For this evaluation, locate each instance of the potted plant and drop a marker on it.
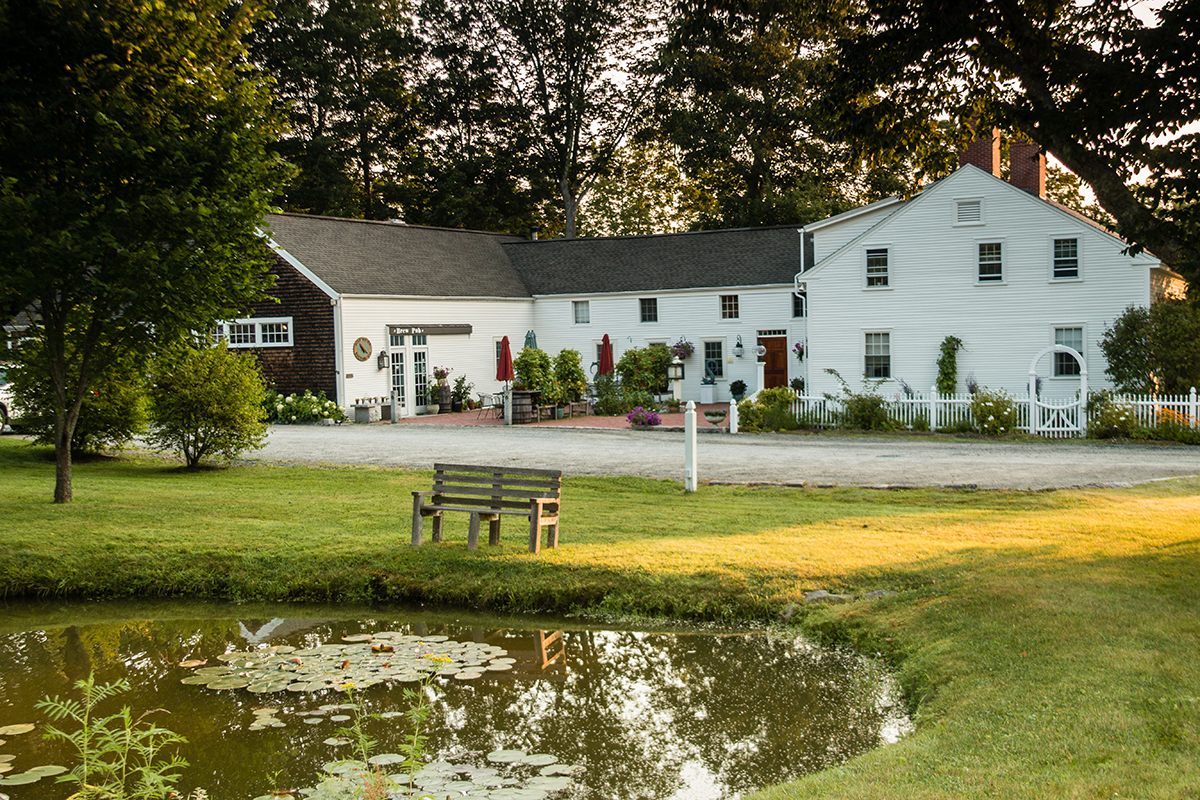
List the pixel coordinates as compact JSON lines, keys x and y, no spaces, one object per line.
{"x":641,"y":417}
{"x":738,"y":390}
{"x":682,"y":349}
{"x":433,"y":395}
{"x":460,"y":395}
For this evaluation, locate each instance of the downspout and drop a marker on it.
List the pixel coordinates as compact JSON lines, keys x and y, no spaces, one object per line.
{"x":338,"y":362}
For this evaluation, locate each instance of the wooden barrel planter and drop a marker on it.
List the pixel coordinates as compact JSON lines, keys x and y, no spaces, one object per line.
{"x":523,"y":407}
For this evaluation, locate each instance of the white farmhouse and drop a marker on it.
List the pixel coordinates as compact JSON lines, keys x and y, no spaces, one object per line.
{"x":975,"y":257}
{"x":367,"y":308}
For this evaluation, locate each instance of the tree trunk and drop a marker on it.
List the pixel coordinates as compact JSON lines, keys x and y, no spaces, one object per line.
{"x":570,"y":206}
{"x":62,"y":464}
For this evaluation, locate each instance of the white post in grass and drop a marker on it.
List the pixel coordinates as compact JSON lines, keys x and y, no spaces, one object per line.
{"x":689,"y":447}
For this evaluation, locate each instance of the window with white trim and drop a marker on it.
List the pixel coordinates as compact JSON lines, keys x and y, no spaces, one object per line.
{"x":582,"y":311}
{"x":729,"y":306}
{"x":877,"y":267}
{"x":714,"y":358}
{"x":877,"y":355}
{"x":800,"y":304}
{"x":1066,"y":259}
{"x":991,"y":261}
{"x":1065,"y":364}
{"x":648,"y":306}
{"x":256,"y":332}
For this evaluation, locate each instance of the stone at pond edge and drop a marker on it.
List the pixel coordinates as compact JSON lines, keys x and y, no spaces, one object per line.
{"x":822,"y":596}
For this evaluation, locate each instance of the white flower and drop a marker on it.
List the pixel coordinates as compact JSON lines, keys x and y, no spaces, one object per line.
{"x":990,"y":418}
{"x":293,"y":417}
{"x":291,"y":398}
{"x":279,"y":406}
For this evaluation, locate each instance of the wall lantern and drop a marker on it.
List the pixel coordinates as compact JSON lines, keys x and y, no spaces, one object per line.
{"x":383,"y":359}
{"x":675,"y":370}
{"x":738,"y":350}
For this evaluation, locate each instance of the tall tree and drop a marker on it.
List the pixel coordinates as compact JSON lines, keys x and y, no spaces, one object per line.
{"x":573,"y":67}
{"x":740,"y":82}
{"x":134,"y":173}
{"x":1104,"y":92}
{"x":474,"y":166}
{"x":344,"y":73}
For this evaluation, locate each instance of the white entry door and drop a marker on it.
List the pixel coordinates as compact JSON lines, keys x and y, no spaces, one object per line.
{"x":410,"y":374}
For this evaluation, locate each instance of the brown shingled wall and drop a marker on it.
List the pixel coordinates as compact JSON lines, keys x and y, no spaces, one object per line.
{"x":309,"y":363}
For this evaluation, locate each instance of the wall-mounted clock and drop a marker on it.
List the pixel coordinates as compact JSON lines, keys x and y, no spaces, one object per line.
{"x":362,"y":348}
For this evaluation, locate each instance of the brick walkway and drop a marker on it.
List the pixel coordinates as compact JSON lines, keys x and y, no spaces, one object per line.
{"x":488,"y":419}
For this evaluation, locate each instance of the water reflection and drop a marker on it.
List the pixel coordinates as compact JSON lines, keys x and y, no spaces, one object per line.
{"x":650,"y":715}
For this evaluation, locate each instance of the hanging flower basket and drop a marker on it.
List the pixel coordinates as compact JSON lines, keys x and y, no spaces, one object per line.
{"x":683,"y":349}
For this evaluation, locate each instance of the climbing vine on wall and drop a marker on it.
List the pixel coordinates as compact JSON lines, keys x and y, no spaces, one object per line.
{"x":947,"y":364}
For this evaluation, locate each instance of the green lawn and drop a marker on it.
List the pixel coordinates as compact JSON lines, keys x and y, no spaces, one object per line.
{"x":1048,"y":642}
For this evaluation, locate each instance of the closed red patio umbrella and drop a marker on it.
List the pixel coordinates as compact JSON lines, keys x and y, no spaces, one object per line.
{"x":606,"y":357}
{"x":504,"y":369}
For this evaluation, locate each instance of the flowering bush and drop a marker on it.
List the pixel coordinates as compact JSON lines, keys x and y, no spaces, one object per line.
{"x":307,"y":407}
{"x":441,"y":373}
{"x":1112,"y":419}
{"x":994,"y":412}
{"x":642,"y":417}
{"x":798,"y":349}
{"x":683,"y":349}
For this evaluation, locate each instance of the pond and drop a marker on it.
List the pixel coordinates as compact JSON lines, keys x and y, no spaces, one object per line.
{"x":607,"y":712}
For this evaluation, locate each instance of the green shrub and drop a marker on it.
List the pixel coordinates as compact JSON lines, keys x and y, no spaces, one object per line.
{"x":1109,"y":418}
{"x":533,"y":370}
{"x":461,"y":392}
{"x":865,"y":410}
{"x":113,"y":412}
{"x":1175,"y":426}
{"x":207,"y":402}
{"x":770,"y":410}
{"x":609,"y":402}
{"x":645,"y":368}
{"x":947,"y":365}
{"x":298,"y":408}
{"x":994,"y":412}
{"x":568,"y":371}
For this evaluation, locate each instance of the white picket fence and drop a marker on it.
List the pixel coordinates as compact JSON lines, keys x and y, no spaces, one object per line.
{"x":1061,"y":418}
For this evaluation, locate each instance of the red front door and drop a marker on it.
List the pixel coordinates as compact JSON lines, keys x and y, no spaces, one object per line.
{"x":774,"y":361}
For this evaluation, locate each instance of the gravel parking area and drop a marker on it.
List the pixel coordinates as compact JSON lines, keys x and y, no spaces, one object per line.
{"x":744,"y":458}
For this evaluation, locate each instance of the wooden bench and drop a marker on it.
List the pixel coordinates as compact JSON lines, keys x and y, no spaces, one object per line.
{"x":491,"y":493}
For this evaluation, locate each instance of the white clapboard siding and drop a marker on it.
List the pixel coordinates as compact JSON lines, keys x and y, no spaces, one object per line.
{"x":934,"y":291}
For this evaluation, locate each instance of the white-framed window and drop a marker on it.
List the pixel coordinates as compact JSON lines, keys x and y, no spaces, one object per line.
{"x":877,"y":355}
{"x":1065,"y":364}
{"x":800,"y":304}
{"x":729,"y":306}
{"x":714,"y":358}
{"x":968,"y":211}
{"x":581,"y":309}
{"x":256,"y":332}
{"x":878,"y":263}
{"x":648,"y":309}
{"x":1064,"y":259}
{"x":991,"y":262}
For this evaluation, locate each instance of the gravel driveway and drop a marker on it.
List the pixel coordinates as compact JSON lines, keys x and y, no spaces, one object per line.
{"x":742,"y":458}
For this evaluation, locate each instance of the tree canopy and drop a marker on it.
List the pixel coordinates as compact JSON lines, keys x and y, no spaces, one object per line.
{"x":134,"y":174}
{"x":1103,"y":91}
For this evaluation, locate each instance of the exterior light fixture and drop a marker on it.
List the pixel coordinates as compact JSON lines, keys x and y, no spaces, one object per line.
{"x":382,"y":361}
{"x":675,"y":370}
{"x":738,"y":350}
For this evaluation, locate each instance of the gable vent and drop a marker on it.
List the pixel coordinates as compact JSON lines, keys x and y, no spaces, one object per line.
{"x":970,"y":211}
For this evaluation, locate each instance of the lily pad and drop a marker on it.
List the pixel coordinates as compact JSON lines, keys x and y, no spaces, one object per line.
{"x":336,"y":741}
{"x":358,"y":637}
{"x":6,"y":757}
{"x":561,"y":769}
{"x":385,"y":759}
{"x":539,"y":760}
{"x":20,"y":780}
{"x":17,"y":730}
{"x":193,"y":662}
{"x":5,"y":768}
{"x":505,"y":756}
{"x":229,"y":683}
{"x":46,"y":771}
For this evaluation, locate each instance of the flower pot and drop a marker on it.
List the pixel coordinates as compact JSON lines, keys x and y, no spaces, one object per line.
{"x":715,"y":416}
{"x":456,"y":406}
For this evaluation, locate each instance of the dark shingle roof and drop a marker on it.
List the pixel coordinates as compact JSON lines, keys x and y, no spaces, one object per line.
{"x":365,"y":257}
{"x":740,"y":257}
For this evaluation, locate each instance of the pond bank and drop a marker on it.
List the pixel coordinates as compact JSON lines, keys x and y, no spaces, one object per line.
{"x":1047,"y":641}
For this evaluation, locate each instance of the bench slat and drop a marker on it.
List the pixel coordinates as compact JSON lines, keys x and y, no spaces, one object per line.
{"x":542,"y":483}
{"x":485,"y":491}
{"x":484,"y":502}
{"x":521,"y":471}
{"x":483,"y":512}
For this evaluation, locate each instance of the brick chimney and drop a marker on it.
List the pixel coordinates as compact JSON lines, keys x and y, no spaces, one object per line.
{"x":1027,"y":167}
{"x":983,"y":152}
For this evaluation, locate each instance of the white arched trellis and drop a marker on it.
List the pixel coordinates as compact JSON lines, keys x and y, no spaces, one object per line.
{"x":1050,"y":419}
